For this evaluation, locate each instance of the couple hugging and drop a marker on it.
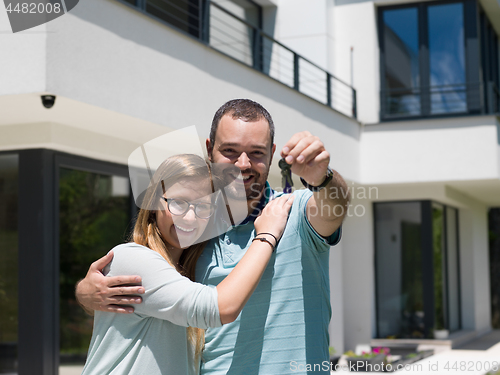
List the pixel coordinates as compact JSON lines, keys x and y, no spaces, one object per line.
{"x":252,"y":300}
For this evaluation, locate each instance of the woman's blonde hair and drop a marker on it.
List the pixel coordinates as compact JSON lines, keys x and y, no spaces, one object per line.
{"x":146,"y":232}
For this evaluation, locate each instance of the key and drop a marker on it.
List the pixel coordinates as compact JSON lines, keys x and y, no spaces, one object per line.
{"x":286,"y":176}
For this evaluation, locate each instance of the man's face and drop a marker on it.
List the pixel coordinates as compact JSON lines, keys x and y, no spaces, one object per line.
{"x":247,"y":145}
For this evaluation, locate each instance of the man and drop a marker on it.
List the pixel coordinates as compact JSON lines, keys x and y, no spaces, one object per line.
{"x":284,"y":326}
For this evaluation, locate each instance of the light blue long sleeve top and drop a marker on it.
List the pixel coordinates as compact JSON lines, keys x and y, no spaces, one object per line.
{"x":153,"y":339}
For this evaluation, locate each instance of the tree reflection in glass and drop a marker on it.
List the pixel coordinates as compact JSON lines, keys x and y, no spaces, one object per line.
{"x":94,"y":217}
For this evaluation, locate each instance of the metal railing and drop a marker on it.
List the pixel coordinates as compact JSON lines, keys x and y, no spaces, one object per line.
{"x":465,"y":98}
{"x":222,"y":30}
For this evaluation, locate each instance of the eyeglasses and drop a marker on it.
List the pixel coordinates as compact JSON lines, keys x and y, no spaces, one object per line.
{"x":179,"y":207}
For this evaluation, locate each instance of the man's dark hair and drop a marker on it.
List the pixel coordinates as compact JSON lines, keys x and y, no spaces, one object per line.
{"x":244,"y":109}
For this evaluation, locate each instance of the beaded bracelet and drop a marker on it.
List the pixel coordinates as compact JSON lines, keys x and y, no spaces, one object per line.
{"x":263,"y":239}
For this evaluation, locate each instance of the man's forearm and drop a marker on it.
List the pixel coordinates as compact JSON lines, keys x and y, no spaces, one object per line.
{"x":328,"y":206}
{"x":334,"y":199}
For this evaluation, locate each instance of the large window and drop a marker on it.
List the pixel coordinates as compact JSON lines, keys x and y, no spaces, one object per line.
{"x":417,"y":269}
{"x":8,"y":263}
{"x":430,"y":61}
{"x":445,"y":25}
{"x":58,"y":213}
{"x":94,"y":215}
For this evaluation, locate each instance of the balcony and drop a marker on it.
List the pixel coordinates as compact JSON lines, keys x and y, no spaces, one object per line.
{"x":243,"y":41}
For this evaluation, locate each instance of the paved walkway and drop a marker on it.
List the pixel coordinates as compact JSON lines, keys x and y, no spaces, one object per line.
{"x":484,"y":342}
{"x":70,"y":370}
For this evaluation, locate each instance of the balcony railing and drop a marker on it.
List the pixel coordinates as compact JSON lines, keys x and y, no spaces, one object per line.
{"x":435,"y":101}
{"x":222,"y":30}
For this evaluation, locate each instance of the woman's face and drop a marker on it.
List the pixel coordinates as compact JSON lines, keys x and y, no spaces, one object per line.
{"x":181,"y":231}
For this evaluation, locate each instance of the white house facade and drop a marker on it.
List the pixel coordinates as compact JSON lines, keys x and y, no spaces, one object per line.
{"x":404,"y":95}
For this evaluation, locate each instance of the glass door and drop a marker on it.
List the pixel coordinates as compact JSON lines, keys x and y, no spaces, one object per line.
{"x":9,"y":191}
{"x":417,"y":269}
{"x":400,"y":303}
{"x":438,"y":256}
{"x":94,"y":216}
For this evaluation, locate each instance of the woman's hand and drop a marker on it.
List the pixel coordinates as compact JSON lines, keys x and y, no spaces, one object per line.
{"x":274,"y":216}
{"x":235,"y":290}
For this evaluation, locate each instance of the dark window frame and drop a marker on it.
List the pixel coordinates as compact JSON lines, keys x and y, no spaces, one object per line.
{"x":38,"y":338}
{"x":427,"y":263}
{"x":473,"y":49}
{"x":489,"y":59}
{"x":16,"y":153}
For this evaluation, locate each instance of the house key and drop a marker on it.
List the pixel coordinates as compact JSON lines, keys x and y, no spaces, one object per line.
{"x":286,"y":176}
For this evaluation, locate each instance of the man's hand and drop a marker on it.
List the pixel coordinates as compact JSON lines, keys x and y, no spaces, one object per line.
{"x":309,"y":159}
{"x":307,"y":156}
{"x":98,"y":292}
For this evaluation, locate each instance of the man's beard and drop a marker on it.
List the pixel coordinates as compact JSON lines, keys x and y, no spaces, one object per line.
{"x":225,"y":178}
{"x":256,"y":188}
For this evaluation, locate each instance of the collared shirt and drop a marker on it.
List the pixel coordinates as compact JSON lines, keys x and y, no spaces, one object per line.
{"x":284,"y":325}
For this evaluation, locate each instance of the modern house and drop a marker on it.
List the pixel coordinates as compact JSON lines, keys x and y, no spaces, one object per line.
{"x":405,"y":96}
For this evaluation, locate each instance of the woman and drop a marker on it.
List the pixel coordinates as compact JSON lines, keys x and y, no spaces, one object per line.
{"x":176,"y":211}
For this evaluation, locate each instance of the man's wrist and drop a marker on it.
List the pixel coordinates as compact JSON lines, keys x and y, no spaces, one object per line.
{"x":328,"y":177}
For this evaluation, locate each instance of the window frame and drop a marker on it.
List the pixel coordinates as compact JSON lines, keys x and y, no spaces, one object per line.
{"x":489,"y":49}
{"x":427,"y":264}
{"x":38,"y":338}
{"x":16,"y":153}
{"x":473,"y":67}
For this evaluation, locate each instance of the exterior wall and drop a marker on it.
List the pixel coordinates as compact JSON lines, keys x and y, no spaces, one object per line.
{"x":73,"y":127}
{"x":358,"y":277}
{"x":355,"y":26}
{"x":337,"y":322}
{"x":452,"y":149}
{"x":474,"y":267}
{"x":24,"y":66}
{"x":122,"y":71}
{"x":313,"y":36}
